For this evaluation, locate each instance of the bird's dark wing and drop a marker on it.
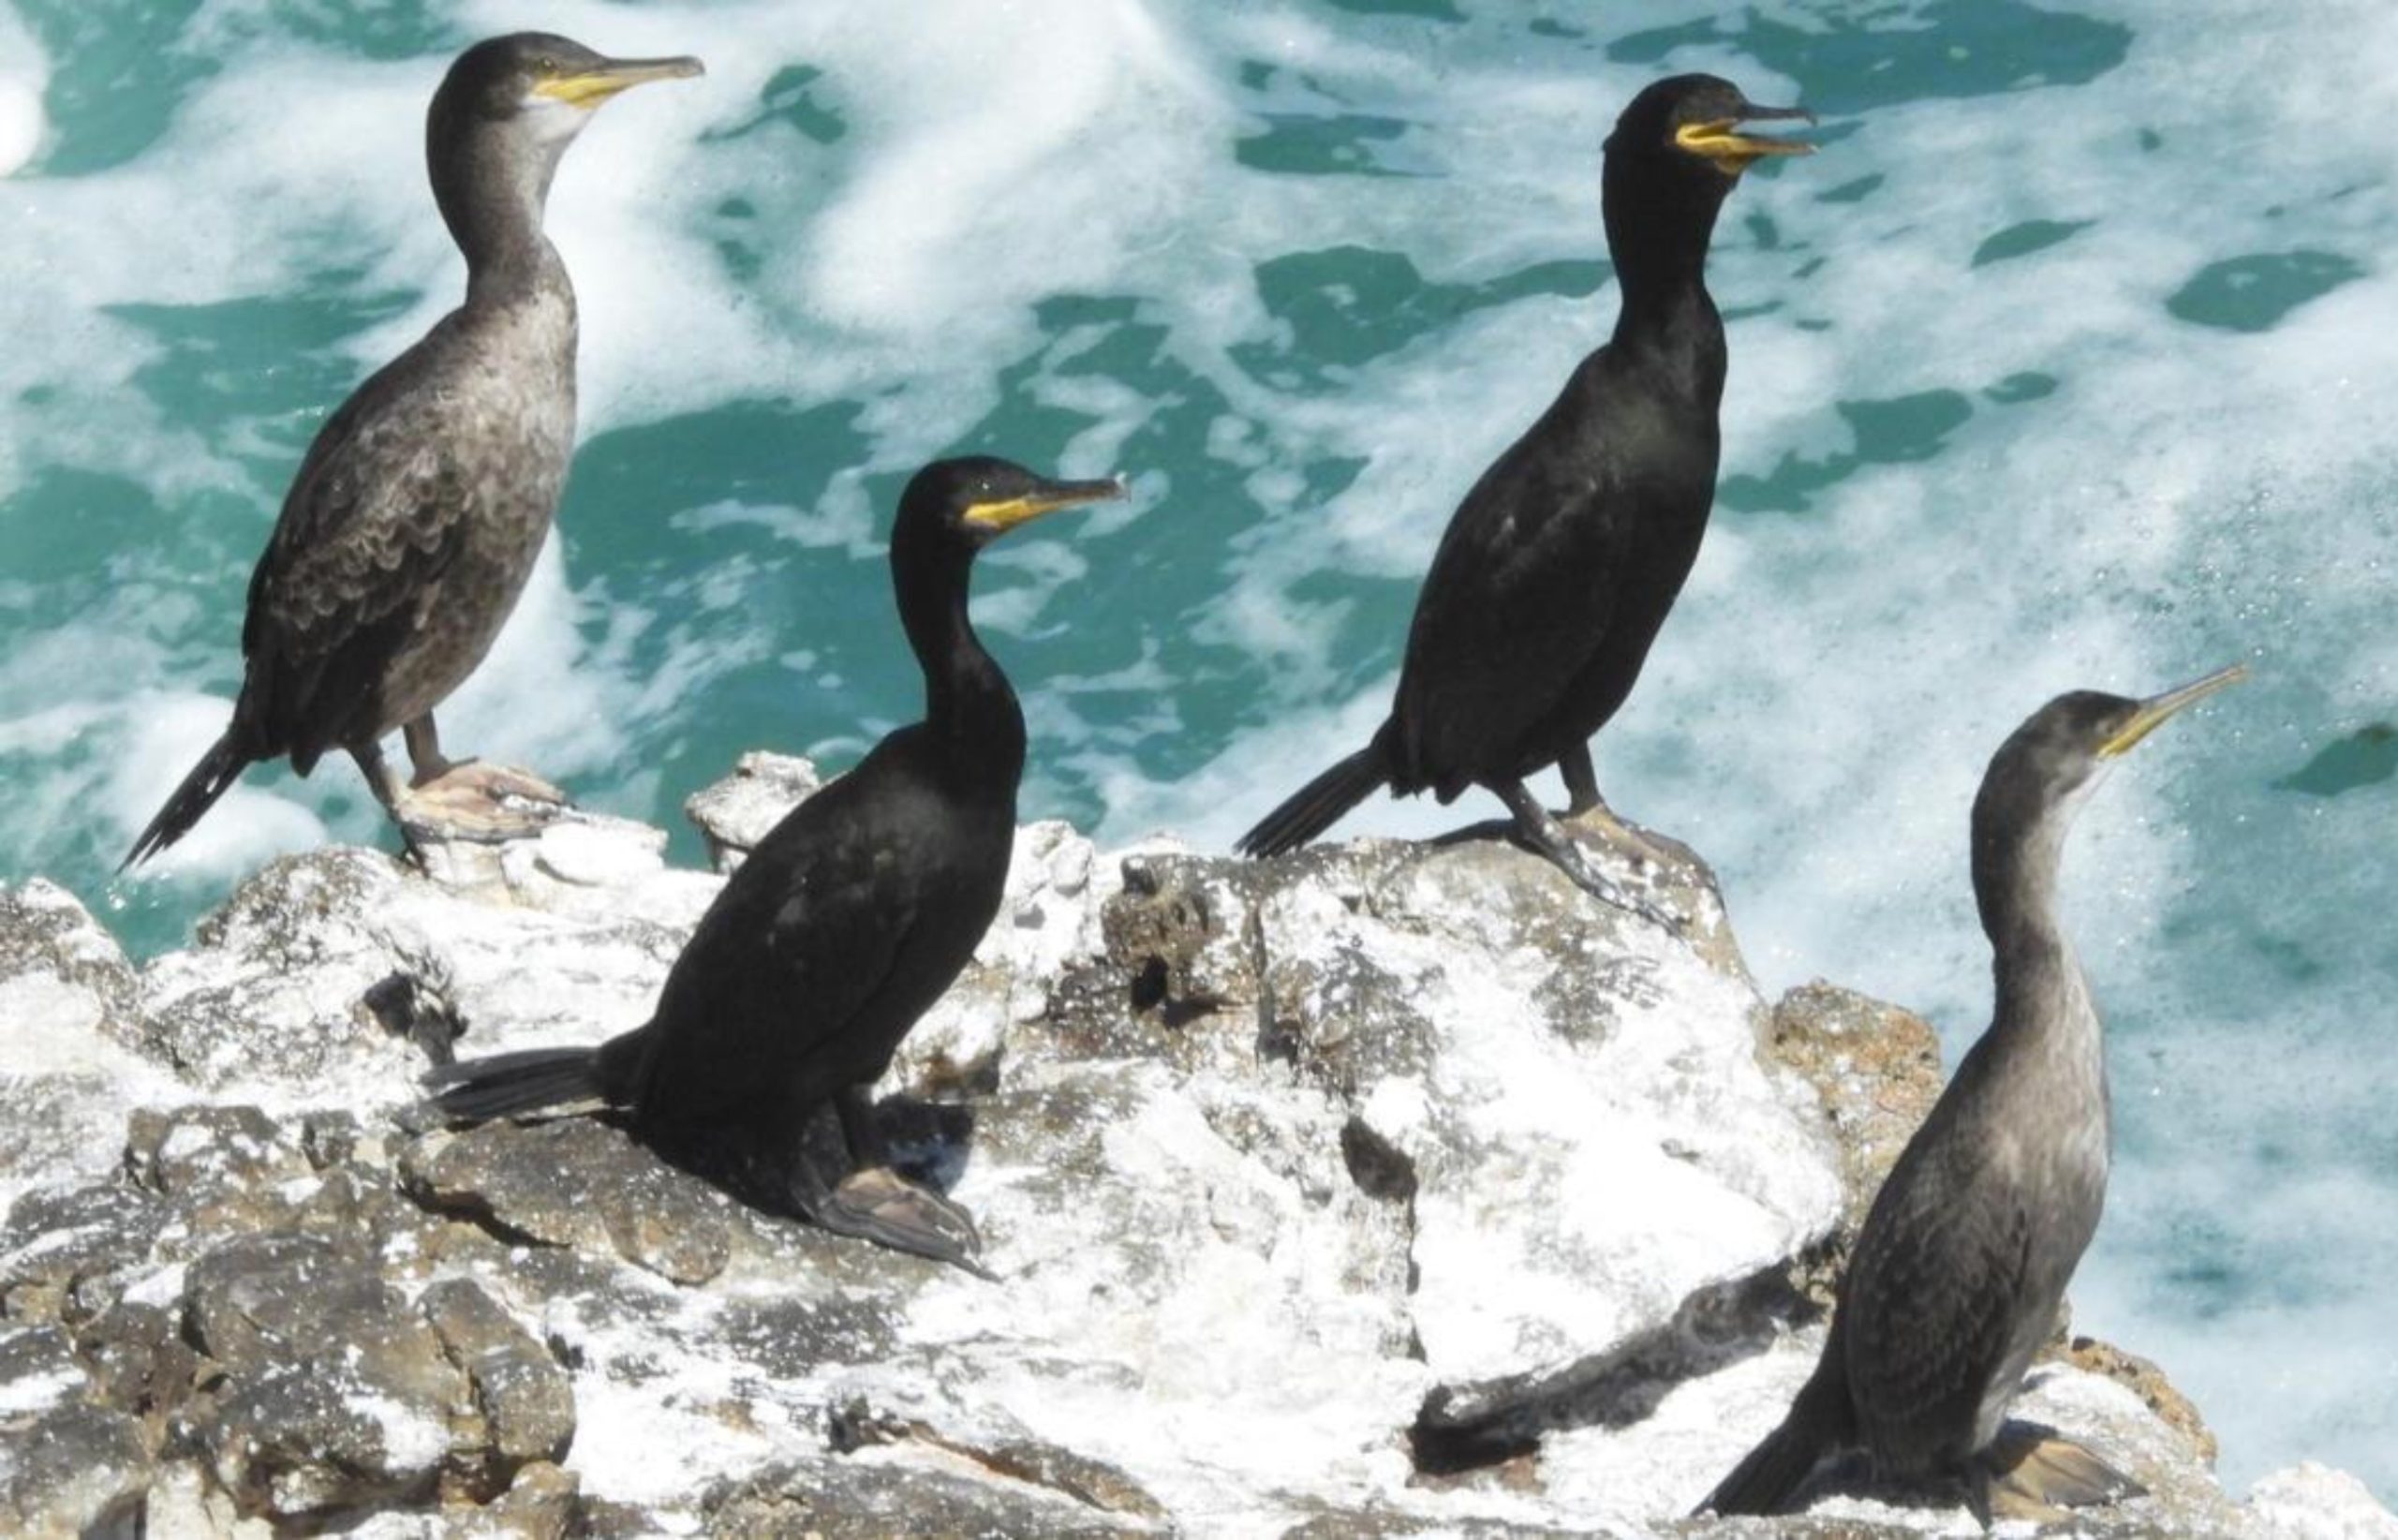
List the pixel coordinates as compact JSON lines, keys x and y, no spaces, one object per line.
{"x":1930,"y":1303}
{"x":1527,"y":586}
{"x":372,"y":521}
{"x":792,"y":959}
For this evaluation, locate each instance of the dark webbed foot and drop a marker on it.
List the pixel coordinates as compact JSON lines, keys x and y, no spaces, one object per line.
{"x":1538,"y":829}
{"x":879,"y":1205}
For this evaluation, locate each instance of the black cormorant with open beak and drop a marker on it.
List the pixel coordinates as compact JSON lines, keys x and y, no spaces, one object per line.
{"x":1560,"y":566}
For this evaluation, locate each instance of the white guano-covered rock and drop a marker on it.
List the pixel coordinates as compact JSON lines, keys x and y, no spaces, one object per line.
{"x":1382,"y":1190}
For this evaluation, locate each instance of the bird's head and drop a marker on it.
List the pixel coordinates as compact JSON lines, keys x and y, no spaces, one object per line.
{"x":970,"y":502}
{"x":2063,"y":750}
{"x":1690,"y":126}
{"x":541,"y":82}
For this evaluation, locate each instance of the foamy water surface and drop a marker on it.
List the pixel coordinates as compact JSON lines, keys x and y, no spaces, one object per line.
{"x":2068,"y":362}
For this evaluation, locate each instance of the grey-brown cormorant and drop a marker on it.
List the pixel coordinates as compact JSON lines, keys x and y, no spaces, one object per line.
{"x":843,"y":926}
{"x":1961,"y":1268}
{"x":1560,"y":565}
{"x":416,"y":516}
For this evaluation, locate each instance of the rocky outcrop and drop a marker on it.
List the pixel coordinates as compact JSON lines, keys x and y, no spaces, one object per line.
{"x":1387,"y":1190}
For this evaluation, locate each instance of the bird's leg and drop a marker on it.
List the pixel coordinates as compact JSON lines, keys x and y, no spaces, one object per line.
{"x":381,"y":780}
{"x":1586,"y":807}
{"x":493,"y":780}
{"x":1543,"y":834}
{"x":425,"y":760}
{"x":1979,"y":1489}
{"x":1581,"y":781}
{"x":391,"y":794}
{"x":877,"y":1204}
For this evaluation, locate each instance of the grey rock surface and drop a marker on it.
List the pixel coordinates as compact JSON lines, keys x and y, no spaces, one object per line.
{"x":1383,"y":1191}
{"x":70,"y":1464}
{"x":737,"y":811}
{"x":321,"y":1389}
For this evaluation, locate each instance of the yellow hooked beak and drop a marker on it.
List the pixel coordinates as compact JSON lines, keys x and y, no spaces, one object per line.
{"x":1733,"y":152}
{"x":1007,"y":512}
{"x":588,"y":88}
{"x":2152,"y":711}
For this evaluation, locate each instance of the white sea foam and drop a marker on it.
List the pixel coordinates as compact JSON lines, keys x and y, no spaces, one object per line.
{"x":22,"y":73}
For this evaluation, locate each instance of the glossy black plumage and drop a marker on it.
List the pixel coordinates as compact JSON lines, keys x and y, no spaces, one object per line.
{"x":1561,"y":562}
{"x":416,"y":516}
{"x":845,"y":923}
{"x":1961,"y":1268}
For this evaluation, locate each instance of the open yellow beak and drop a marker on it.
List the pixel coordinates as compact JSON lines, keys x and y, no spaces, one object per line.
{"x":1733,"y":152}
{"x":2152,"y":711}
{"x":588,"y":88}
{"x":1047,"y":498}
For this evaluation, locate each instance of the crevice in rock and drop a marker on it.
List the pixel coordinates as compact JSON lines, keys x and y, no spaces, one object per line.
{"x":127,"y":1516}
{"x":415,"y":1008}
{"x":470,"y":1210}
{"x":1465,"y":1428}
{"x":855,"y":1425}
{"x":1275,"y":1042}
{"x":1149,"y":986}
{"x":1153,"y":996}
{"x":1379,"y":1168}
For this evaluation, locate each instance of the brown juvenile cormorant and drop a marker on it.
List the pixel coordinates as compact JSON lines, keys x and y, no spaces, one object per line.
{"x":416,"y":516}
{"x":843,"y":926}
{"x":1560,"y":565}
{"x":1961,"y":1266}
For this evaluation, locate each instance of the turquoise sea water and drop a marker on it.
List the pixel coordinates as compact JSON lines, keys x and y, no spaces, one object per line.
{"x":2069,"y":362}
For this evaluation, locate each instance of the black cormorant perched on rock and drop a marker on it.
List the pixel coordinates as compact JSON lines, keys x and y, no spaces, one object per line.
{"x":843,"y":926}
{"x":1560,"y":565}
{"x":417,"y":515}
{"x":1961,"y":1268}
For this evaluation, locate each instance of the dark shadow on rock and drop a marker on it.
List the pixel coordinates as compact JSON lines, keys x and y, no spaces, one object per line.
{"x":414,"y":1006}
{"x":930,"y":1142}
{"x":593,"y":1181}
{"x":1465,"y":1428}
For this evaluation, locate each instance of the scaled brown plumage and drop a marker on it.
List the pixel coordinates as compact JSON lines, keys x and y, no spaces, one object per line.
{"x":416,"y":517}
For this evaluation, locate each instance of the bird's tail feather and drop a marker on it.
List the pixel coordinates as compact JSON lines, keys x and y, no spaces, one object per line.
{"x":214,"y":775}
{"x":1319,"y":805}
{"x":480,"y":1089}
{"x":1771,"y":1473}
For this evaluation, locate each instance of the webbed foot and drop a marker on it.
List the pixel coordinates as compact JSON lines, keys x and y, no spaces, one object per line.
{"x":877,"y":1204}
{"x":478,"y":803}
{"x":1538,"y":829}
{"x":1601,"y":822}
{"x":2042,"y":1477}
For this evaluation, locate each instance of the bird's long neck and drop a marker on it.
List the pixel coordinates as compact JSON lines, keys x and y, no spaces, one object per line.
{"x":2018,"y":846}
{"x":492,"y":181}
{"x":968,"y":701}
{"x":1657,"y":234}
